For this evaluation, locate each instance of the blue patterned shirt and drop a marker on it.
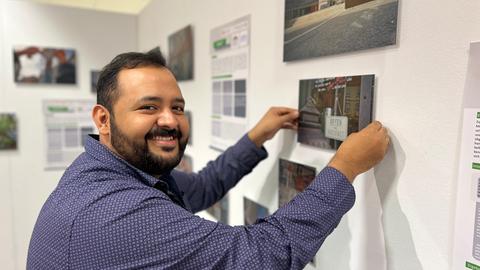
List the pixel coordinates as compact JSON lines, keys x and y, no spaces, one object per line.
{"x":106,"y":214}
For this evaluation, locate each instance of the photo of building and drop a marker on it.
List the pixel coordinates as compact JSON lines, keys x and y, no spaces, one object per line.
{"x":293,"y":179}
{"x":332,"y":108}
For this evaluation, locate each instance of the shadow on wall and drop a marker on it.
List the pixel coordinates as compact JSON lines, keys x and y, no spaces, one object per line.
{"x":399,"y":247}
{"x":335,"y":251}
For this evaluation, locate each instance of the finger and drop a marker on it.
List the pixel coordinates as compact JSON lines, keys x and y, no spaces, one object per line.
{"x":284,"y":110}
{"x":290,"y":116}
{"x":289,"y":125}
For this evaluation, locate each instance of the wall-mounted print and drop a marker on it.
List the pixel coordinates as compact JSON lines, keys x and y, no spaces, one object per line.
{"x":253,"y":211}
{"x":44,"y":65}
{"x":8,"y":131}
{"x":186,"y":164}
{"x":332,"y":108}
{"x":94,"y":74}
{"x":315,"y":28}
{"x":180,"y":53}
{"x":220,"y":210}
{"x":293,"y":179}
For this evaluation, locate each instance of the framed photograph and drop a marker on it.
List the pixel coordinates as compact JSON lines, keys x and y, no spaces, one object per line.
{"x":37,"y":65}
{"x":252,"y":211}
{"x":180,"y":54}
{"x":293,"y":179}
{"x":8,"y":131}
{"x":332,"y":108}
{"x":315,"y":28}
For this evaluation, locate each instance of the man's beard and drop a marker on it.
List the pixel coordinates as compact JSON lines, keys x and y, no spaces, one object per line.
{"x":140,"y":156}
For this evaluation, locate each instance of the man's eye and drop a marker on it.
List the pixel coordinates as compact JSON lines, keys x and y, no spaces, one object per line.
{"x":178,"y":109}
{"x":148,"y":107}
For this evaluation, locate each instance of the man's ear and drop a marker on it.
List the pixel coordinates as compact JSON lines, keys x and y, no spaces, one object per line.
{"x":101,"y":117}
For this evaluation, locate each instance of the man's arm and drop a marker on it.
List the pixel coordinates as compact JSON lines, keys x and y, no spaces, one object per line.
{"x":157,"y":233}
{"x":209,"y":185}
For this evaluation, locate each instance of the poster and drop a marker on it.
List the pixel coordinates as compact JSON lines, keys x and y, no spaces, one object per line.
{"x":8,"y":131}
{"x":230,"y":54}
{"x":314,"y":28}
{"x":332,"y":108}
{"x":294,"y":178}
{"x":466,"y":251}
{"x":253,"y":211}
{"x":67,"y":124}
{"x":180,"y":53}
{"x":36,"y":65}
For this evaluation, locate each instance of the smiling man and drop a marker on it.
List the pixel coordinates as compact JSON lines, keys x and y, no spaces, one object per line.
{"x":120,"y":205}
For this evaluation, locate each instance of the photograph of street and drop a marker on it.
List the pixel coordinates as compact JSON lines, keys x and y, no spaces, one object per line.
{"x":253,"y":211}
{"x":315,"y":28}
{"x":332,"y":108}
{"x":293,"y":179}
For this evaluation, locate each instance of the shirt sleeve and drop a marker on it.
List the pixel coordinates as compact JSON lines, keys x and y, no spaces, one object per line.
{"x":209,"y":185}
{"x":159,"y":234}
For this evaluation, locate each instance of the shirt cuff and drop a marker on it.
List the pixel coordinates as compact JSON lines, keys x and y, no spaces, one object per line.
{"x":248,"y":153}
{"x":335,"y":187}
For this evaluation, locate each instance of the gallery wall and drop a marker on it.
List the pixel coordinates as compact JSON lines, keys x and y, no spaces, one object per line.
{"x":24,"y":183}
{"x":403,"y":218}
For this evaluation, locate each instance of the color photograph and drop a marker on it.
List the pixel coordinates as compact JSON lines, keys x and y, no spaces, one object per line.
{"x":37,"y":65}
{"x":180,"y":53}
{"x":332,"y":108}
{"x":315,"y":28}
{"x":253,"y":211}
{"x":8,"y":131}
{"x":293,"y":179}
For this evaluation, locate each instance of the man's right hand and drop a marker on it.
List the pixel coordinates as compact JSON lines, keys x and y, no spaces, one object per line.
{"x":361,"y":151}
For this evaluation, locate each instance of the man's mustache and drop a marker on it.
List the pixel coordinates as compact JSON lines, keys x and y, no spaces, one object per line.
{"x":163,"y":132}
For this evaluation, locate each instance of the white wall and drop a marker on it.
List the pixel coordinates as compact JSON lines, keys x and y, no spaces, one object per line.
{"x":404,"y":215}
{"x":24,"y":184}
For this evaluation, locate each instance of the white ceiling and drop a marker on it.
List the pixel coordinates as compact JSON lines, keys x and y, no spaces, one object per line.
{"x":120,"y":6}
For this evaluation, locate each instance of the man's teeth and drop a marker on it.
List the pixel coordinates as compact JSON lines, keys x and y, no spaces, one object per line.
{"x":161,"y":138}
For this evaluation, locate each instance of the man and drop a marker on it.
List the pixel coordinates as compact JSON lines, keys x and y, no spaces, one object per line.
{"x":121,"y":206}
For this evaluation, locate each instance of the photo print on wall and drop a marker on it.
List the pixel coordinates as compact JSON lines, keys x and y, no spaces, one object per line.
{"x":293,"y":179}
{"x":188,"y":115}
{"x":8,"y":131}
{"x":180,"y":54}
{"x":253,"y":211}
{"x":332,"y":108}
{"x":315,"y":28}
{"x":37,"y":65}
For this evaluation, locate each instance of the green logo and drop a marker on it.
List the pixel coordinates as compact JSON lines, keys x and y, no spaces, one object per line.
{"x":472,"y":266}
{"x":478,"y":114}
{"x":476,"y":166}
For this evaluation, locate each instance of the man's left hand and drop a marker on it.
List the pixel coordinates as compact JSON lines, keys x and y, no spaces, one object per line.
{"x":275,"y":119}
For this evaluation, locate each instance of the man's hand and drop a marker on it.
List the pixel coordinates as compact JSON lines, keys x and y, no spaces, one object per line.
{"x":361,"y":151}
{"x":275,"y":119}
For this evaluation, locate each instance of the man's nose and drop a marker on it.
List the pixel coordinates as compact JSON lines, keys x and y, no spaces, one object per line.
{"x":167,"y":119}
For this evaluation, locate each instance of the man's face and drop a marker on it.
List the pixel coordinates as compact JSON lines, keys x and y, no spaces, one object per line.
{"x":148,"y":125}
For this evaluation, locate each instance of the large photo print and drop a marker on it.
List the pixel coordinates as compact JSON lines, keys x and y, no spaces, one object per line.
{"x":315,"y":28}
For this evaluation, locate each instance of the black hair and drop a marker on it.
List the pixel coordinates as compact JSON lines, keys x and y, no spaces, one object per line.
{"x":107,"y":92}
